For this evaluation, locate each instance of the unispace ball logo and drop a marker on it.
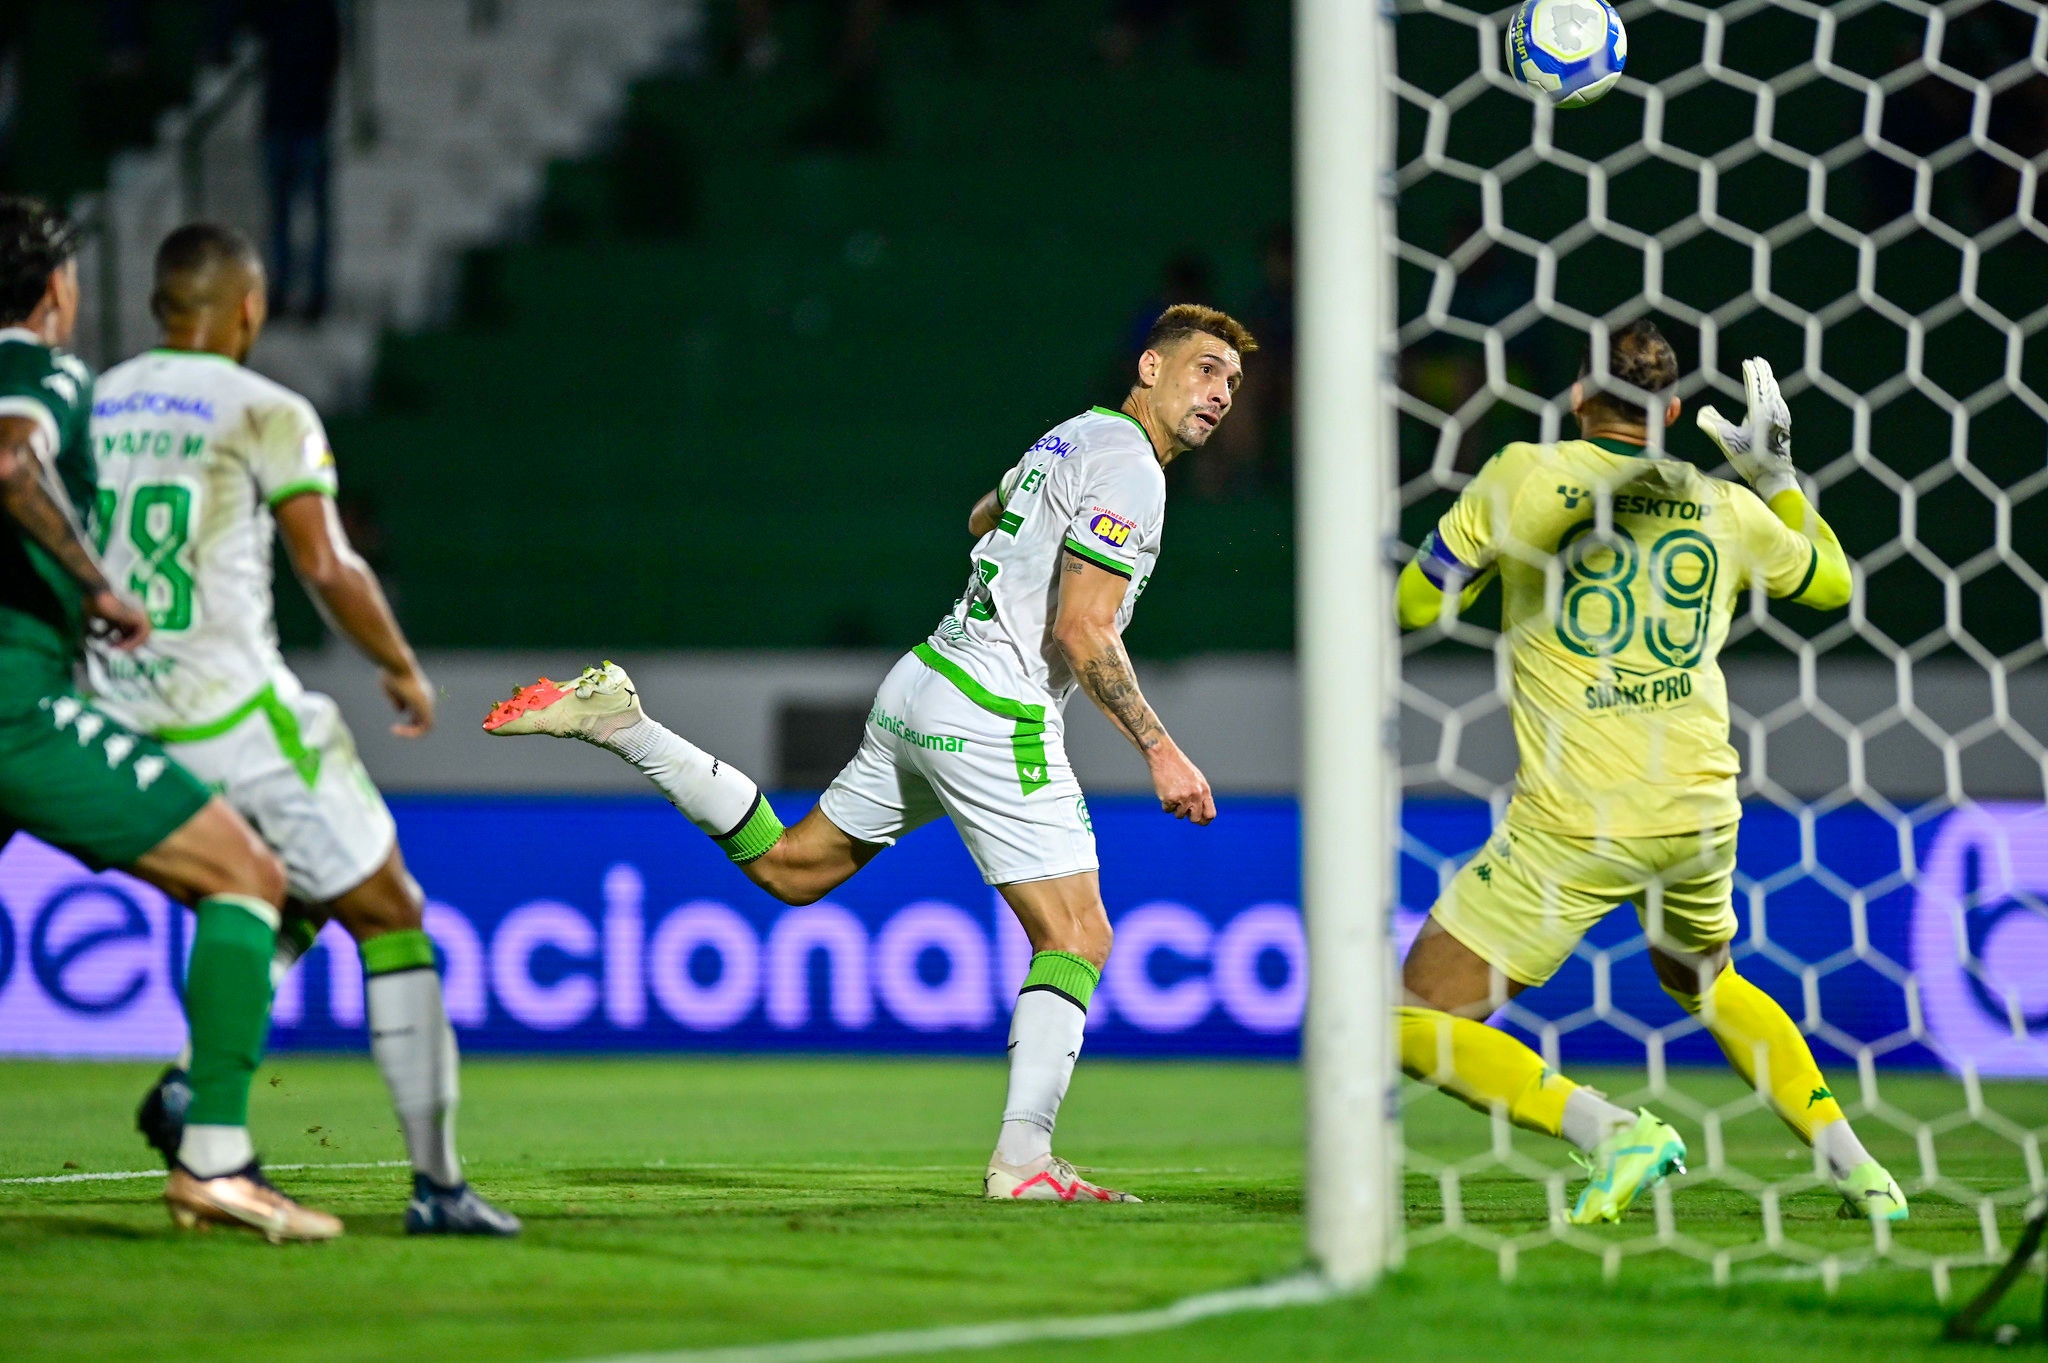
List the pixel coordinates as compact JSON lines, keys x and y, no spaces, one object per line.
{"x":1112,"y":530}
{"x":1569,"y":30}
{"x":1572,"y":51}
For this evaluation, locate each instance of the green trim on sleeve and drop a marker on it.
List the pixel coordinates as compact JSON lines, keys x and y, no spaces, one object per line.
{"x":1102,"y":561}
{"x":407,"y":949}
{"x":303,"y":485}
{"x":14,"y":404}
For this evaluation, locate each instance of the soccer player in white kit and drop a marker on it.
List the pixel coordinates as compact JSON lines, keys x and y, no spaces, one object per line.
{"x":968,"y":723}
{"x":200,"y":462}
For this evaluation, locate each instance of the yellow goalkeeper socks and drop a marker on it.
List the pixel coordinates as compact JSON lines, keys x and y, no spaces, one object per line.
{"x":1764,"y":1045}
{"x":1485,"y":1068}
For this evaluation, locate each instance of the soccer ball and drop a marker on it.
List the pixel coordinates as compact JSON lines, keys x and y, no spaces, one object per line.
{"x":1571,"y":50}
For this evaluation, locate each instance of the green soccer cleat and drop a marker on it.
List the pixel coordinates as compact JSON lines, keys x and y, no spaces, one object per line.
{"x":1624,"y":1166}
{"x":1871,"y":1192}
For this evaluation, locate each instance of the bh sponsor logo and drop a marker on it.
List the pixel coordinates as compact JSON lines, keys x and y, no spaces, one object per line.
{"x":1111,"y":529}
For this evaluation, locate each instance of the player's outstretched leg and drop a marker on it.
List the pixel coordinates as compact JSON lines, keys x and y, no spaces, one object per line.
{"x":1069,"y":932}
{"x":798,"y":865}
{"x":1765,"y":1047}
{"x":235,"y":884}
{"x":1625,"y":1153}
{"x":602,"y":707}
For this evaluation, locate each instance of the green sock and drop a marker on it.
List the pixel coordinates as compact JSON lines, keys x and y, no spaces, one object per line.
{"x":756,"y":834}
{"x":227,"y":1005}
{"x":1070,"y":976}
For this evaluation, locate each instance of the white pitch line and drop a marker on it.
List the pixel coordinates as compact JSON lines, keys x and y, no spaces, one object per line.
{"x":158,"y":1173}
{"x":1301,"y":1290}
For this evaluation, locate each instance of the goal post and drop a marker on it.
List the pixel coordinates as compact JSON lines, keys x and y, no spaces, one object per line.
{"x":1346,"y":644}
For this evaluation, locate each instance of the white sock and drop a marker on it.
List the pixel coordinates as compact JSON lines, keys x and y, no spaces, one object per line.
{"x":210,"y":1151}
{"x":1838,"y":1145}
{"x":713,"y":795}
{"x":415,"y":1048}
{"x":1045,"y":1041}
{"x":1590,"y":1119}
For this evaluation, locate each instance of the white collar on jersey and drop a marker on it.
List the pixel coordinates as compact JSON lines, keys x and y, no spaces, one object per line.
{"x":19,"y":334}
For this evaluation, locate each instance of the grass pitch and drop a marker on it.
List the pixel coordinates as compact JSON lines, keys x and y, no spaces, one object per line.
{"x":679,"y":1203}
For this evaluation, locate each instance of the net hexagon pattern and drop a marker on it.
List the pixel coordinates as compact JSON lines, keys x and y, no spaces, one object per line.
{"x":1854,"y":191}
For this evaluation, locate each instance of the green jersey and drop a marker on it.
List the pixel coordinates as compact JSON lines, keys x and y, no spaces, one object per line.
{"x":39,"y":601}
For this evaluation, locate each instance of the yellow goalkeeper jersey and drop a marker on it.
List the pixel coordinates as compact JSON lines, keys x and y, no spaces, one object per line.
{"x":1620,"y":710}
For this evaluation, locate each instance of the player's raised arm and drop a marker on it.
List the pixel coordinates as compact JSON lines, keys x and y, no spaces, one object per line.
{"x":43,"y":511}
{"x":1433,"y":574}
{"x":986,"y":512}
{"x":1457,"y":558}
{"x":1086,"y":632}
{"x":989,"y":510}
{"x":1761,"y":451}
{"x":347,"y":588}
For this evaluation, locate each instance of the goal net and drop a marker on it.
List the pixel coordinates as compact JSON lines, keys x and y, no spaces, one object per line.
{"x":1853,"y":191}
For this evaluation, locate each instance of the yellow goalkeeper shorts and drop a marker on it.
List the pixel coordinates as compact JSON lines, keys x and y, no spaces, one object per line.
{"x":1527,"y":898}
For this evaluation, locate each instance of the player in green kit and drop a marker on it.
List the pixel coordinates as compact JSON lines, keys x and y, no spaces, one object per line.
{"x":1620,"y":570}
{"x":74,"y":778}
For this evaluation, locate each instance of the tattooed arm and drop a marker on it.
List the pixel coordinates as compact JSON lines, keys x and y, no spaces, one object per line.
{"x":32,"y":498}
{"x":1085,"y":630}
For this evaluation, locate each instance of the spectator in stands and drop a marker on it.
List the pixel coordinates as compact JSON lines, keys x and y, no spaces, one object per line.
{"x":851,"y":117}
{"x":302,"y":61}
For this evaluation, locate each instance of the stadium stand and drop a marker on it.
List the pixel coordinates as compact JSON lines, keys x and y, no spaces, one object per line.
{"x":819,"y":359}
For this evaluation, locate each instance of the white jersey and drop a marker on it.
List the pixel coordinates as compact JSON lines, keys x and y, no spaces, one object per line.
{"x":1091,"y":486}
{"x":193,"y":451}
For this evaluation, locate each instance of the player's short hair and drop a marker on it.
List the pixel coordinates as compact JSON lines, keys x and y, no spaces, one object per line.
{"x":35,"y":241}
{"x":194,"y":252}
{"x":1639,"y":360}
{"x":1183,"y":320}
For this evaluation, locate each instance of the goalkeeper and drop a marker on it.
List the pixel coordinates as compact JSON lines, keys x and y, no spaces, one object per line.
{"x":1626,"y":789}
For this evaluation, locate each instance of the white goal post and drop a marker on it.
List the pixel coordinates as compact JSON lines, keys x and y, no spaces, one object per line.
{"x":1349,"y":656}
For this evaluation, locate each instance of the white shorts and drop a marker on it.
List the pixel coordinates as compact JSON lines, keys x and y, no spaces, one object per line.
{"x":290,"y":768}
{"x":1009,"y":789}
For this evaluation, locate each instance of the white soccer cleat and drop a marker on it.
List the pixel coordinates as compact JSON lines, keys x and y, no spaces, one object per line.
{"x":245,"y":1200}
{"x":593,"y":707}
{"x":1045,"y":1179}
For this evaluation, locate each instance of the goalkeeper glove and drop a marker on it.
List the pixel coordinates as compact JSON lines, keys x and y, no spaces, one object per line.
{"x":1761,"y":447}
